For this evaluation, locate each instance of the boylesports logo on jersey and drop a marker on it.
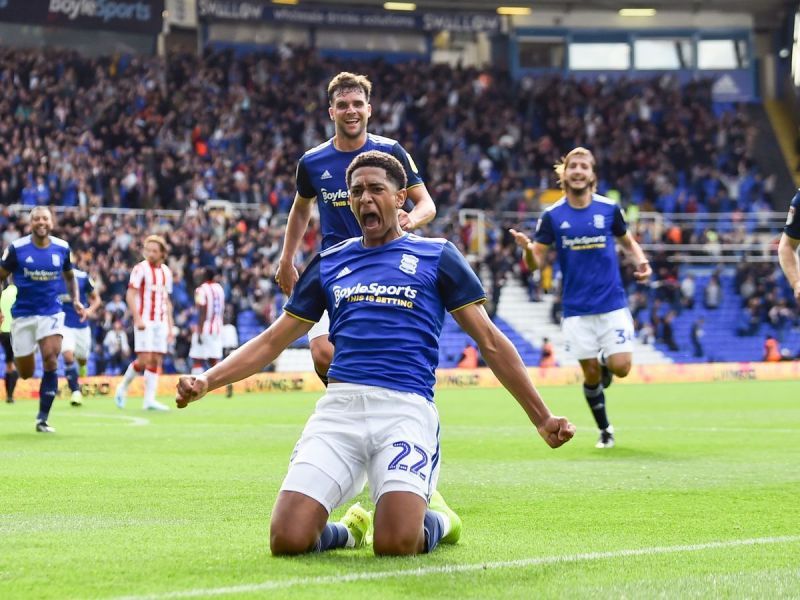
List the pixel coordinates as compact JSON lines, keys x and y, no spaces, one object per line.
{"x":326,"y":175}
{"x":40,"y":274}
{"x":337,"y":198}
{"x":583,"y":242}
{"x":399,"y":295}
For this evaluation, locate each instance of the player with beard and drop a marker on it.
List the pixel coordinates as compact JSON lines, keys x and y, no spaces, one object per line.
{"x":321,"y":177}
{"x":38,"y":262}
{"x":597,"y":324}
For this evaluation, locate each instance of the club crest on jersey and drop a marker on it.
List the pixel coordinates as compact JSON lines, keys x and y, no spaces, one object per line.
{"x":599,"y":221}
{"x":408,"y":264}
{"x":56,"y":260}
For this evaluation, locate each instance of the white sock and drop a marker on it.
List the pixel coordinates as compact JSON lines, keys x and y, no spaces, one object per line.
{"x":150,"y":387}
{"x":130,"y":375}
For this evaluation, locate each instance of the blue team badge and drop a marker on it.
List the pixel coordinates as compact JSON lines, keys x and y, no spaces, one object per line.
{"x":599,"y":222}
{"x":56,"y":260}
{"x":408,"y":264}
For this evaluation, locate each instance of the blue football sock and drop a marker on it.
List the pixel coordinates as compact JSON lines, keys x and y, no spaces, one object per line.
{"x":333,"y":536}
{"x":434,"y":528}
{"x":47,"y":393}
{"x":597,"y":402}
{"x":71,"y":373}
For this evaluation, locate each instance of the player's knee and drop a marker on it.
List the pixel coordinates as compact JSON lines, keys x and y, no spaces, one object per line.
{"x":396,"y":542}
{"x":50,"y":362}
{"x":287,"y":538}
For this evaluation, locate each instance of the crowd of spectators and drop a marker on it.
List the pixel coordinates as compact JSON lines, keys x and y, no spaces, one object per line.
{"x":175,"y":133}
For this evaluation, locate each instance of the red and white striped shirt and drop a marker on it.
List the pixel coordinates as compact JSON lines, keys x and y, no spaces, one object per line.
{"x":211,"y":295}
{"x":154,"y":285}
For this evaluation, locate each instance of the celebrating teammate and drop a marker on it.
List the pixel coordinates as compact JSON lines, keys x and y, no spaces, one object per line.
{"x":321,"y":177}
{"x":597,"y":323}
{"x":38,"y":262}
{"x":386,"y":293}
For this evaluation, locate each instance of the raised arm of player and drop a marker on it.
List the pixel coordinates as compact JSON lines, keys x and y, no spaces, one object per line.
{"x":423,"y":212}
{"x":504,"y":361}
{"x":245,"y":361}
{"x":534,"y":253}
{"x":296,"y":225}
{"x":790,"y":265}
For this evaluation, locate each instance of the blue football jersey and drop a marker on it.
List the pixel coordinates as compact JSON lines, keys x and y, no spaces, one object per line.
{"x":792,"y":228}
{"x":587,"y":254}
{"x":37,"y":274}
{"x":85,"y":287}
{"x":321,"y":174}
{"x":386,"y":307}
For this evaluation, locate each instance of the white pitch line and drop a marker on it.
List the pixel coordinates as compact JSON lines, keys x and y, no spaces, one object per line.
{"x":134,"y":421}
{"x":449,"y":569}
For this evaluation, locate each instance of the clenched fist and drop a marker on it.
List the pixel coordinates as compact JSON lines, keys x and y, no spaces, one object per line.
{"x":190,"y":388}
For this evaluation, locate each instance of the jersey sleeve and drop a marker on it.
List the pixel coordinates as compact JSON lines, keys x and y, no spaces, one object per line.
{"x":792,"y":227}
{"x":167,"y":279}
{"x":9,"y":259}
{"x":458,"y":284}
{"x":409,"y":165}
{"x":303,"y":180}
{"x":199,"y":296}
{"x":618,"y":226}
{"x":544,"y":230}
{"x":308,"y":300}
{"x":135,"y":280}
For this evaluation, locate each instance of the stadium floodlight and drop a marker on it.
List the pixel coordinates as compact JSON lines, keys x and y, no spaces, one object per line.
{"x":514,"y":10}
{"x":399,"y":6}
{"x":637,"y":12}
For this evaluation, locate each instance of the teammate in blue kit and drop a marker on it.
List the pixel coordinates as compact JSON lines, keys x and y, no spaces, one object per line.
{"x":386,"y":292}
{"x":321,"y":176}
{"x":77,"y":340}
{"x":787,"y":247}
{"x":38,"y":261}
{"x":598,"y":326}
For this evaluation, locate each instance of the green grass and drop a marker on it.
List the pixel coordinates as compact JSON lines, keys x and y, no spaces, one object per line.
{"x":108,"y":508}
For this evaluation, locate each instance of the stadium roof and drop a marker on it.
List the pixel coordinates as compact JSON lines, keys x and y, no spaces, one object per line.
{"x":768,"y":14}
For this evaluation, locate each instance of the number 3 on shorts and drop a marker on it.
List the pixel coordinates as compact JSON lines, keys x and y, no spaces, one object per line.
{"x":623,"y":336}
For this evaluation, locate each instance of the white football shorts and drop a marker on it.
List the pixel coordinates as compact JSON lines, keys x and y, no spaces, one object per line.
{"x":321,"y":327}
{"x":77,"y":340}
{"x":209,"y":347}
{"x":611,"y":332}
{"x":27,"y":331}
{"x":361,"y":433}
{"x":153,"y":338}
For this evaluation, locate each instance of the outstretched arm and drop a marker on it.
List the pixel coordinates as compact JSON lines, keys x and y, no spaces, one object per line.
{"x":634,"y":250}
{"x":245,"y":361}
{"x":533,"y":252}
{"x":504,"y":361}
{"x":787,"y":256}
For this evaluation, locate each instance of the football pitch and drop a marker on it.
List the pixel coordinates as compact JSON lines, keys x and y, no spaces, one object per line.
{"x":700,"y":498}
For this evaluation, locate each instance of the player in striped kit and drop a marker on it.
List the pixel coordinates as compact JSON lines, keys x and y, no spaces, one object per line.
{"x":148,"y":299}
{"x":209,"y":299}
